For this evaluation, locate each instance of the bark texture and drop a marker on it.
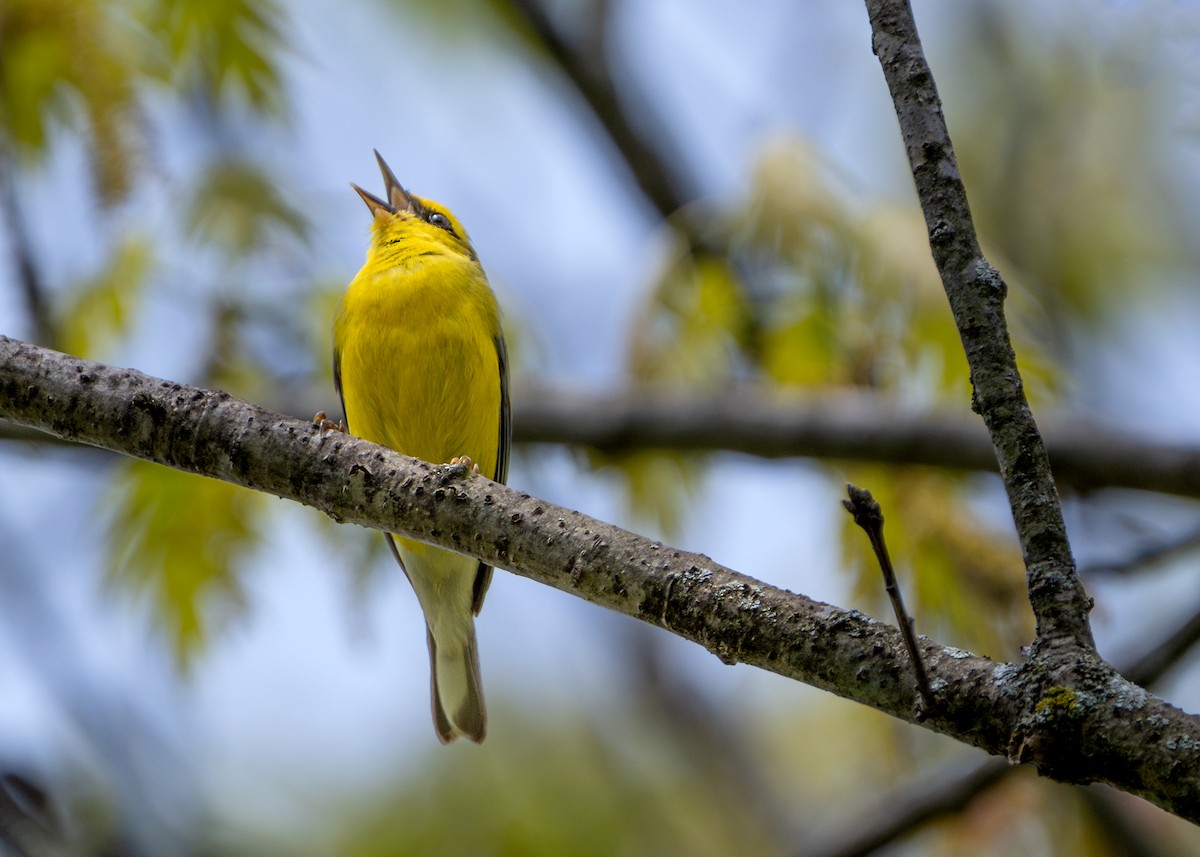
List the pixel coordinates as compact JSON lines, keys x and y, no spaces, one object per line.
{"x":976,"y":292}
{"x":1077,"y":720}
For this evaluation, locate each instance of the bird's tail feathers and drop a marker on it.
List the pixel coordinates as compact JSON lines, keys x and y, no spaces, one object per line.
{"x":455,"y":686}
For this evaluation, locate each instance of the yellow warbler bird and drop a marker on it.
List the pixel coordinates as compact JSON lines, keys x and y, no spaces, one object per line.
{"x":420,"y":363}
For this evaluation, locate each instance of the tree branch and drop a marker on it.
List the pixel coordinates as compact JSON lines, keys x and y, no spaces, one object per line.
{"x":655,"y":175}
{"x":948,"y":790}
{"x":976,"y":292}
{"x":1100,"y":728}
{"x":846,"y":425}
{"x":951,"y":788}
{"x":28,"y":275}
{"x":1147,"y":556}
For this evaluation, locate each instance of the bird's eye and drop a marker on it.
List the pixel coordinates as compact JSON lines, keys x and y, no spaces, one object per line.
{"x":441,"y":221}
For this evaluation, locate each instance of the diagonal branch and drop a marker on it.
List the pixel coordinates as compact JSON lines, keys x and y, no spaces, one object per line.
{"x":1101,"y":728}
{"x":946,"y":791}
{"x":976,"y":292}
{"x":654,"y":174}
{"x":28,"y":274}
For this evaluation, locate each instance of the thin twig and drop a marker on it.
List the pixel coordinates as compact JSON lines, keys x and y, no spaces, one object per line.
{"x":1147,"y":556}
{"x":867,"y":514}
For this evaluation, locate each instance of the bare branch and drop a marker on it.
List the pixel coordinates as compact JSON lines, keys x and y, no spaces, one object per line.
{"x":584,"y":66}
{"x":946,"y":791}
{"x":976,"y":292}
{"x":1097,"y":728}
{"x":849,"y":425}
{"x":28,"y":275}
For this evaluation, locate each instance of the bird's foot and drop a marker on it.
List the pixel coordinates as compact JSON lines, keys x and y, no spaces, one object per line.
{"x":465,"y":461}
{"x":325,"y":425}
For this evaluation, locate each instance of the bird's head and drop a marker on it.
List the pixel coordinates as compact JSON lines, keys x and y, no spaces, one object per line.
{"x":415,"y":223}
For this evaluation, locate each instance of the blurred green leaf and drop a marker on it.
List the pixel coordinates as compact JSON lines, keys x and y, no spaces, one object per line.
{"x":175,"y":540}
{"x":236,"y":206}
{"x":223,"y":48}
{"x":101,"y":309}
{"x":1063,"y":153}
{"x":71,"y":61}
{"x":581,"y":790}
{"x":693,"y":325}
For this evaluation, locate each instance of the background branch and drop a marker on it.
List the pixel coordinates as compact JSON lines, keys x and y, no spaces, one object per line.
{"x":1148,"y":556}
{"x":945,"y":791}
{"x":28,"y":274}
{"x":952,"y":787}
{"x":584,"y":64}
{"x":847,"y":425}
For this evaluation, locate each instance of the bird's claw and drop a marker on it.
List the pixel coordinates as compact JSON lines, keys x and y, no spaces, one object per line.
{"x":465,"y":461}
{"x":325,"y":425}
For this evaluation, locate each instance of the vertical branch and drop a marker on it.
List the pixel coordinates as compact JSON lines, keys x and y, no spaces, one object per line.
{"x":976,"y":293}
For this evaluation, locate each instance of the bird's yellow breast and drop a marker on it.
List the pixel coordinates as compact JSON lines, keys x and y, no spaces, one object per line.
{"x":416,"y":345}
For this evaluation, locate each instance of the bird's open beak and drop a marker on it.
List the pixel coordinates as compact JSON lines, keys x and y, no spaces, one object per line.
{"x":397,"y":197}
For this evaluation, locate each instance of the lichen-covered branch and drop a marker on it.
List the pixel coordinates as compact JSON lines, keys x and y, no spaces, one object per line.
{"x":1093,"y":725}
{"x":976,"y":292}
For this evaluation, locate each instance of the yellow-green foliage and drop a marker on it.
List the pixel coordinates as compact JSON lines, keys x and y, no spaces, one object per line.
{"x":100,"y":310}
{"x":1062,"y":159}
{"x":238,"y":207}
{"x":963,"y":580}
{"x":177,"y":538}
{"x":222,"y":48}
{"x":84,"y":66}
{"x":694,"y":324}
{"x":66,"y":62}
{"x":559,"y":785}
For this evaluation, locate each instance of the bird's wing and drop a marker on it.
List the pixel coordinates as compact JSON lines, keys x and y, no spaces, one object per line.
{"x":483,"y":577}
